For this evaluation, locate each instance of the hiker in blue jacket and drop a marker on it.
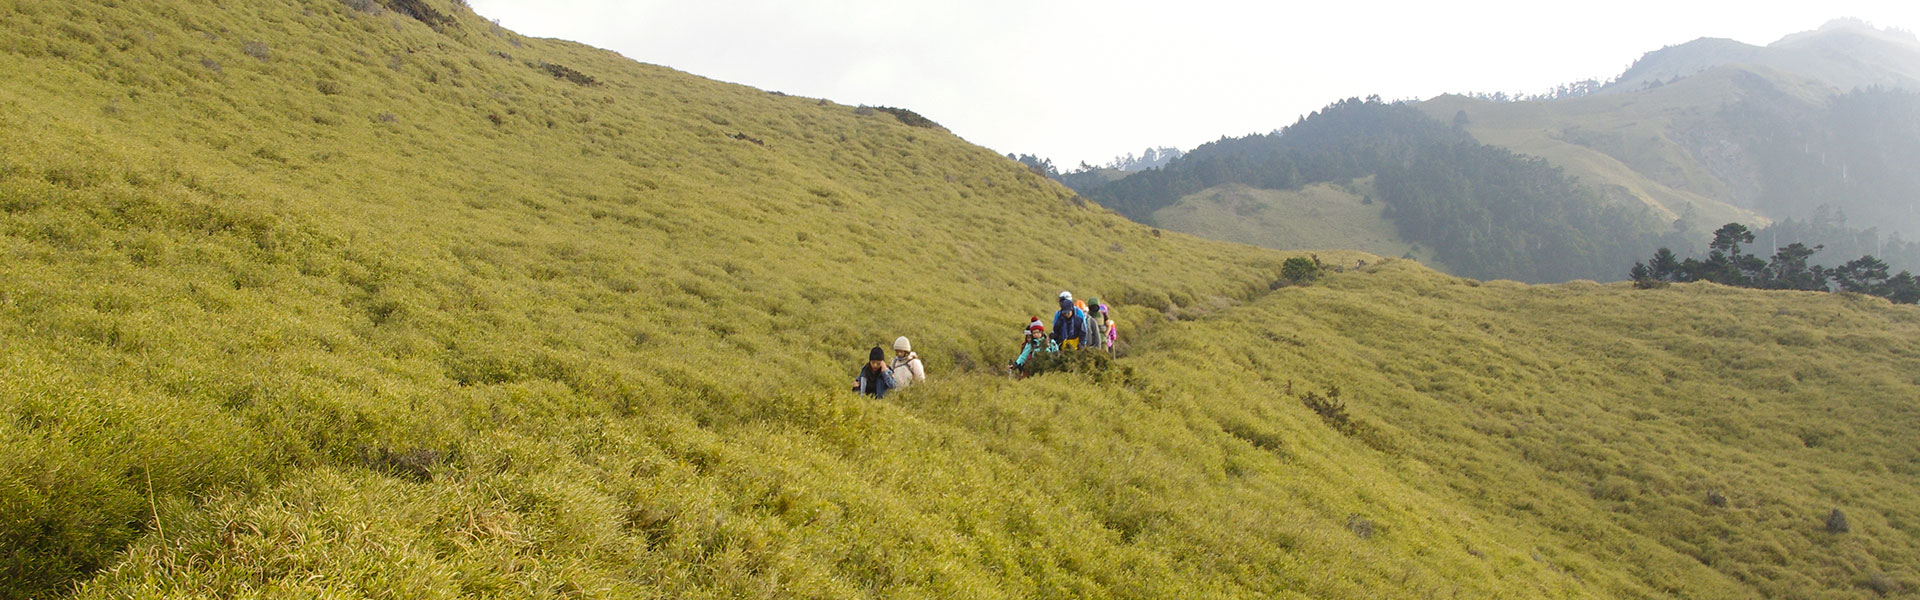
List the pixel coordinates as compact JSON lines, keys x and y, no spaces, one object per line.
{"x":874,"y":379}
{"x":1070,"y":324}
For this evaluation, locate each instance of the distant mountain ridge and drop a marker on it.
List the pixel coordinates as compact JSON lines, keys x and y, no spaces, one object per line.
{"x":1843,"y":54}
{"x":1701,"y":134}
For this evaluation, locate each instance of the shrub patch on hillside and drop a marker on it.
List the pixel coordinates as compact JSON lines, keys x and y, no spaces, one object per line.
{"x":420,"y":11}
{"x":559,"y":71}
{"x":909,"y":117}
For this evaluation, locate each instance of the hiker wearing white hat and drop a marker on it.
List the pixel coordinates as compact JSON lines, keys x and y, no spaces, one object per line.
{"x":906,"y":366}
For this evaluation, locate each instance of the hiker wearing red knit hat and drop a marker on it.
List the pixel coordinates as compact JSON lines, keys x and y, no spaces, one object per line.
{"x":1037,"y":342}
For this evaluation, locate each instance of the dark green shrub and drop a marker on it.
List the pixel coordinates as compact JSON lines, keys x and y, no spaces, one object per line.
{"x":1093,"y":363}
{"x":909,"y":117}
{"x":365,"y":6}
{"x":1881,"y":584}
{"x":567,"y":73}
{"x":1300,"y":270}
{"x":1360,"y":526}
{"x":420,"y":11}
{"x":1837,"y":522}
{"x":1331,"y":410}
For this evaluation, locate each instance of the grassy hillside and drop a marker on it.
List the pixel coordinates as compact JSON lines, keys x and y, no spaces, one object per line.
{"x":1324,"y":215}
{"x":359,"y":299}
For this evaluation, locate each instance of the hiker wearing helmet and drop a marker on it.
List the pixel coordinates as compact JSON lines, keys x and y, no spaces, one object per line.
{"x":874,"y":380}
{"x":906,"y":366}
{"x":1037,"y":342}
{"x":1070,"y":324}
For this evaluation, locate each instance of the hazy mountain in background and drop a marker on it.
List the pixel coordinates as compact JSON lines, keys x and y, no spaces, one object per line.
{"x":1844,"y":54}
{"x":1821,"y":126}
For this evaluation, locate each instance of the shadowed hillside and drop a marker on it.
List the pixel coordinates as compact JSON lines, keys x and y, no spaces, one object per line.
{"x":377,"y":299}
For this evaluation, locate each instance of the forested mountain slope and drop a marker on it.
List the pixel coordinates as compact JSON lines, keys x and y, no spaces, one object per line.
{"x":1714,"y":131}
{"x":1819,"y":127}
{"x":368,"y":299}
{"x":1481,"y":210}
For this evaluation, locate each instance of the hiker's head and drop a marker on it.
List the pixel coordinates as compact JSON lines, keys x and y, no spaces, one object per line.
{"x":901,"y":347}
{"x":876,"y":359}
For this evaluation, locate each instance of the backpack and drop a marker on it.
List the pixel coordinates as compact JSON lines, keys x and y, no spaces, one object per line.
{"x":902,"y":370}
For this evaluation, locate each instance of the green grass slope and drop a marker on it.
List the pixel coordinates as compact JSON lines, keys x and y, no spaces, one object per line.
{"x":1324,"y":215}
{"x":345,"y":299}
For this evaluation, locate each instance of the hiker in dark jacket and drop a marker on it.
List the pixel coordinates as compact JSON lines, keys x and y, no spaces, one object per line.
{"x":874,"y":379}
{"x":1069,"y":325}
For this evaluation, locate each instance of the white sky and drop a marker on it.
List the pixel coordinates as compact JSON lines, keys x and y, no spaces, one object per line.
{"x":1084,"y":80}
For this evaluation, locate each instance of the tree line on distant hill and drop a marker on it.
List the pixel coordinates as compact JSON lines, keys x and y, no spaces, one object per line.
{"x":1788,"y":269}
{"x":1484,"y":211}
{"x":1151,"y":158}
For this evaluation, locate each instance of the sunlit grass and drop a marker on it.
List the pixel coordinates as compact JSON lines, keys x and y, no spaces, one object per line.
{"x":398,"y":312}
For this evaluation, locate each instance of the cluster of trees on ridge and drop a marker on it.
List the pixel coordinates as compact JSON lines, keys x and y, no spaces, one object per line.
{"x":1788,"y":269}
{"x":1151,"y":158}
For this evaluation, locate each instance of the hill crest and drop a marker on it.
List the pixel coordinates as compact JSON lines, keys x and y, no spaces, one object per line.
{"x":1843,"y":54}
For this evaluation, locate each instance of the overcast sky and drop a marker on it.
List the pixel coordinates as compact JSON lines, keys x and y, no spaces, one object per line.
{"x":1083,"y":80}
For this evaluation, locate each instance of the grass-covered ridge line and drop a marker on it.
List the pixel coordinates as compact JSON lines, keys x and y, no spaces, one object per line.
{"x":307,"y":299}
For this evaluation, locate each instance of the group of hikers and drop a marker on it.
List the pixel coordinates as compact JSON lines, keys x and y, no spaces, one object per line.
{"x":1078,"y":325}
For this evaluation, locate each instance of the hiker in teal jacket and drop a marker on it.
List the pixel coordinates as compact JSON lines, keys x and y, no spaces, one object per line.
{"x":1037,"y":342}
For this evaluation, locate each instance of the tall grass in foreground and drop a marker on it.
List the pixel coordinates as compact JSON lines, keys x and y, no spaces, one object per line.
{"x":384,"y":307}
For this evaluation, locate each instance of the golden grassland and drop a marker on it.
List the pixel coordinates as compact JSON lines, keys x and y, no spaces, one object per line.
{"x":317,"y":299}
